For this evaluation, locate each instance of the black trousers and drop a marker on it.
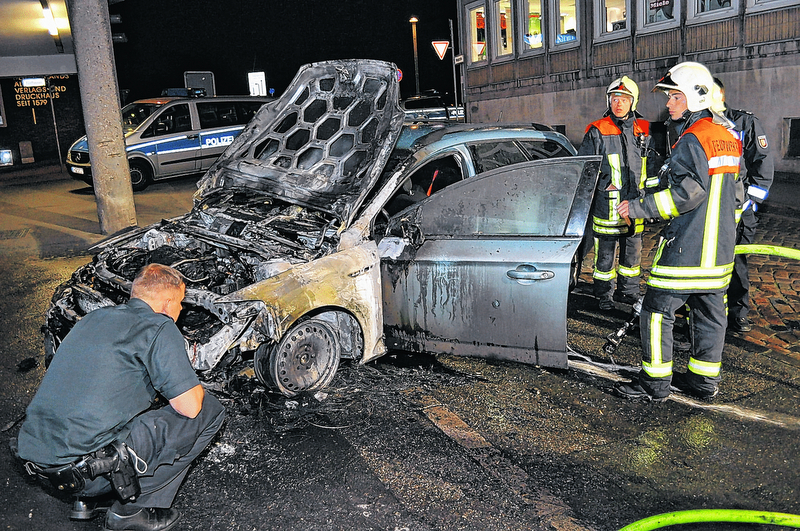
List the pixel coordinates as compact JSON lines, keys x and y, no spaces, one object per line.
{"x":707,"y":326}
{"x":167,"y":442}
{"x":606,"y":280}
{"x":739,"y":289}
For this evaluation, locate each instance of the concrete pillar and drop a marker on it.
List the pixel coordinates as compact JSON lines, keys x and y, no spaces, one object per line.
{"x":94,"y":55}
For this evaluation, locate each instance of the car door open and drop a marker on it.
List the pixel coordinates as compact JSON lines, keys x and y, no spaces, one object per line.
{"x":482,"y":268}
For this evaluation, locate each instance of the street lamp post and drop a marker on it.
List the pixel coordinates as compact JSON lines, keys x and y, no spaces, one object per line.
{"x":414,"y":21}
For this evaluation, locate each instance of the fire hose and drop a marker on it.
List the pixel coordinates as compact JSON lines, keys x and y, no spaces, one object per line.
{"x":694,"y":516}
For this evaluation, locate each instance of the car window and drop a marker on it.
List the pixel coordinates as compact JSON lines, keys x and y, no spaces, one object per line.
{"x":135,"y":113}
{"x":423,"y":103}
{"x":225,"y":113}
{"x":532,"y":199}
{"x":544,"y":149}
{"x":175,"y":119}
{"x":490,"y":155}
{"x":426,"y":181}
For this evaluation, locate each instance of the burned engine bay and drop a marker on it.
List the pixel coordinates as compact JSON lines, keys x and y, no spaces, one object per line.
{"x":231,"y":240}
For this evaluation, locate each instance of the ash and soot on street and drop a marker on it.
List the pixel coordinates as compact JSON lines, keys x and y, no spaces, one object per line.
{"x":412,"y":441}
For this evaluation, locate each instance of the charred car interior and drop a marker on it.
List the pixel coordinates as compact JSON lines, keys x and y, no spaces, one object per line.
{"x":321,"y":234}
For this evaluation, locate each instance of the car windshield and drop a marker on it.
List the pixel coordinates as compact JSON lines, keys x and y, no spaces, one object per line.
{"x":135,"y":113}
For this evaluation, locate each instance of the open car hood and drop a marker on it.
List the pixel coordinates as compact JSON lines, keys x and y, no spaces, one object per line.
{"x":323,"y":144}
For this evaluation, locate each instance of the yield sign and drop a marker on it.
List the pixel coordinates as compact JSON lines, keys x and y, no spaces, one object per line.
{"x":440,"y":47}
{"x":478,"y":48}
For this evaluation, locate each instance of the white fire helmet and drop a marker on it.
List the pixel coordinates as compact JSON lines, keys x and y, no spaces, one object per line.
{"x":625,"y":86}
{"x":694,"y":80}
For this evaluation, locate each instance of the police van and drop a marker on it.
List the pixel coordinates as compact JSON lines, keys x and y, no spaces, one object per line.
{"x":171,"y":136}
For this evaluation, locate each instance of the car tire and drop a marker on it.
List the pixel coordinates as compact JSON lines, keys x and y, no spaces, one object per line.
{"x":141,"y":175}
{"x":305,"y":359}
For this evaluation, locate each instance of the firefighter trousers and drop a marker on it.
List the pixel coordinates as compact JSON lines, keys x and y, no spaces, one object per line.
{"x":707,"y":324}
{"x":739,"y":289}
{"x":605,"y":275}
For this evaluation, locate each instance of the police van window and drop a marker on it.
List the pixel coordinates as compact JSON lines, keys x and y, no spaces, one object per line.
{"x":175,"y":119}
{"x":210,"y":114}
{"x":245,"y":110}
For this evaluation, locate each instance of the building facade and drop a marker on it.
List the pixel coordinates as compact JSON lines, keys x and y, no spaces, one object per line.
{"x":549,"y":61}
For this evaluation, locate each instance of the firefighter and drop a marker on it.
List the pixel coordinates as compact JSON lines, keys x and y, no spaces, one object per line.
{"x":622,"y":137}
{"x":756,"y":172}
{"x":694,"y":260}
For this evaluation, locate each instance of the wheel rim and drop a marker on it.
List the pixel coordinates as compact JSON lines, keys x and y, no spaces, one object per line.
{"x":137,"y":175}
{"x":305,"y":359}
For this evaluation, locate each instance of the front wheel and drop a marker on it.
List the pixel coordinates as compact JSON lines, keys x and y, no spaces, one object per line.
{"x":141,"y":175}
{"x":305,"y":359}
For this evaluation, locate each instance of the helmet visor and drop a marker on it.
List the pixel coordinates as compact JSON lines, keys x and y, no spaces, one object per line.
{"x":666,"y":83}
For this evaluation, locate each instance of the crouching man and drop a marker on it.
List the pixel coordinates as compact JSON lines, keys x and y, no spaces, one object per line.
{"x":91,"y":427}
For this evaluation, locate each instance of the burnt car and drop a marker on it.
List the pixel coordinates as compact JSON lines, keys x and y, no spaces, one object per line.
{"x":329,"y":230}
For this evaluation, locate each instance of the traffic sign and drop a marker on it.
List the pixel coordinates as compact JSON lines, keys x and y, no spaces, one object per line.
{"x":399,"y":75}
{"x":441,"y":48}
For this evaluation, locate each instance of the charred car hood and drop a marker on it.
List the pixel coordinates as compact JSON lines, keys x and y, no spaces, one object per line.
{"x":323,"y":144}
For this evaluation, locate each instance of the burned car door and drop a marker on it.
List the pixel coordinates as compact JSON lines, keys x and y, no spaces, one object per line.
{"x":483,"y":267}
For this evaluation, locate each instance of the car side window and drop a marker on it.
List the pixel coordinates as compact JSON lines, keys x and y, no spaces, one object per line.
{"x":210,"y":114}
{"x":532,"y":199}
{"x":175,"y":119}
{"x":490,"y":155}
{"x":427,"y":180}
{"x":544,"y":149}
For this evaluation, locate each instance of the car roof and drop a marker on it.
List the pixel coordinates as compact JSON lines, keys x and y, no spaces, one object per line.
{"x":162,"y":100}
{"x":427,"y":134}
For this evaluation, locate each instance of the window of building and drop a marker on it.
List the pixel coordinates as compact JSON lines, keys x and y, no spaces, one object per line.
{"x":503,"y":28}
{"x":532,"y":29}
{"x":702,"y":10}
{"x":476,"y":16}
{"x":565,"y":19}
{"x":763,"y":5}
{"x":793,"y":146}
{"x":659,"y":12}
{"x":611,"y":17}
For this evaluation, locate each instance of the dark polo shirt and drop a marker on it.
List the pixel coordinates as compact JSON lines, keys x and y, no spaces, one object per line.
{"x":106,"y":371}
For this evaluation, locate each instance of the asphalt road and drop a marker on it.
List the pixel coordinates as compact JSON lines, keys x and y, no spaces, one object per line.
{"x":430,"y":443}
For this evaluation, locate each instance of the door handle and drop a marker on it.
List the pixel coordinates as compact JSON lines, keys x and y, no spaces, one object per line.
{"x":527,"y":273}
{"x":191,"y":137}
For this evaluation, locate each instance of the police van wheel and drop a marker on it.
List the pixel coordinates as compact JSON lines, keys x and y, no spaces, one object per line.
{"x":141,"y":176}
{"x":305,"y":359}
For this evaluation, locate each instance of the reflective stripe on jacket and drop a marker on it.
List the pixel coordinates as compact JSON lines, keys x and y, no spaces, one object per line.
{"x":623,"y":171}
{"x":697,"y":248}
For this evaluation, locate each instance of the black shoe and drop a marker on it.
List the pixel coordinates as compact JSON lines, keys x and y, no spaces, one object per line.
{"x":606,"y":305}
{"x":148,"y":519}
{"x":739,"y":324}
{"x":626,"y":299}
{"x":682,"y":382}
{"x":634,"y":391}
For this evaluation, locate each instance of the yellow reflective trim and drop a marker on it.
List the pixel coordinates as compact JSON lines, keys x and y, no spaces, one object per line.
{"x":711,"y":230}
{"x":691,"y":272}
{"x":691,"y":284}
{"x":630,"y":271}
{"x":665,"y":204}
{"x":656,"y":367}
{"x":616,"y":170}
{"x":602,"y":275}
{"x":704,"y":368}
{"x":609,"y":222}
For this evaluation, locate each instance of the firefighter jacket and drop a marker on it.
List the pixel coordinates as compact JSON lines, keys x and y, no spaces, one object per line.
{"x":757,"y":170}
{"x":696,"y":251}
{"x":623,"y":170}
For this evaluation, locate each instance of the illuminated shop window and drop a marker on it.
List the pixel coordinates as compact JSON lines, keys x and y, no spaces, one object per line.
{"x":566,"y":22}
{"x":504,"y":28}
{"x":477,"y":33}
{"x":533,"y":35}
{"x":660,"y":11}
{"x":614,"y":15}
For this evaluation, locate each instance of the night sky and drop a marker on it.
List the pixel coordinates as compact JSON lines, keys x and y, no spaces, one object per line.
{"x":232,"y":38}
